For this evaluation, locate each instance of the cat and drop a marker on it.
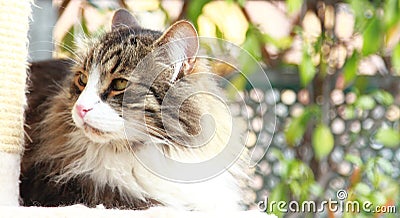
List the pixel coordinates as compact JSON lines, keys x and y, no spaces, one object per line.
{"x":78,"y":150}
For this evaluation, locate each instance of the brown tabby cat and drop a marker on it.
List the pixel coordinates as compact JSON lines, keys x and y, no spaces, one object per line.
{"x":78,"y":150}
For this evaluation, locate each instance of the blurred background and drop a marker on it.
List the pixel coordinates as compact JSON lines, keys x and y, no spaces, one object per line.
{"x":334,"y":67}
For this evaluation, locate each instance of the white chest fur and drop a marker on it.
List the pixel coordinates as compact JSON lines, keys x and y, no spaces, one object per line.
{"x":122,"y":171}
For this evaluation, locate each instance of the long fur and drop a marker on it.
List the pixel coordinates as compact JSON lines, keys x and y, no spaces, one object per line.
{"x":63,"y":165}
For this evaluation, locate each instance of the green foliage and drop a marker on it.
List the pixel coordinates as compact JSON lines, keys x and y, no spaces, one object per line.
{"x":241,"y":3}
{"x":238,"y":83}
{"x":252,"y":43}
{"x":376,"y":21}
{"x":279,"y":193}
{"x":396,"y":59}
{"x":356,"y":160}
{"x":372,"y":41}
{"x":350,"y":68}
{"x":392,"y":13}
{"x":383,"y":97}
{"x":67,"y":43}
{"x":365,"y":102}
{"x":297,"y":127}
{"x":322,"y":141}
{"x":249,"y":62}
{"x":376,"y":186}
{"x":306,"y":69}
{"x":195,"y":9}
{"x":294,"y":5}
{"x":282,"y":43}
{"x":388,"y":137}
{"x":297,"y":181}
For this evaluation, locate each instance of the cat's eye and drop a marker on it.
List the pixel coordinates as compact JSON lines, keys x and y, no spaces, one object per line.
{"x":82,"y":79}
{"x":119,"y":84}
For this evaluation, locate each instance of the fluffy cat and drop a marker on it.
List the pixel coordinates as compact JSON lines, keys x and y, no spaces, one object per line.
{"x":79,"y":150}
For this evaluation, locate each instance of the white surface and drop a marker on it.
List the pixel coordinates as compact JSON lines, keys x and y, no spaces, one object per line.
{"x":9,"y":178}
{"x":82,"y":211}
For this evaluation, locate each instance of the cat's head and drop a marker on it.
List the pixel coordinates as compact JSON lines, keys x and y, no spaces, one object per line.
{"x":105,"y":70}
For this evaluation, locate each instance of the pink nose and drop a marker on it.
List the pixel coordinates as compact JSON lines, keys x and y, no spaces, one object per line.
{"x":82,"y":110}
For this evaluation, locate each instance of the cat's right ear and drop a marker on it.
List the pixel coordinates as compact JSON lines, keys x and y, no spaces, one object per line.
{"x":122,"y":18}
{"x":183,"y":44}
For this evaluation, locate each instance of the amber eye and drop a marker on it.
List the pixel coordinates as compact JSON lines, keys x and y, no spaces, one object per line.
{"x":82,"y":79}
{"x":119,"y":84}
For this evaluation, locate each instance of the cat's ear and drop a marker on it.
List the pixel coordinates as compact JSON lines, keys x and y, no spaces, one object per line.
{"x":122,"y":18}
{"x":183,"y":45}
{"x":182,"y":30}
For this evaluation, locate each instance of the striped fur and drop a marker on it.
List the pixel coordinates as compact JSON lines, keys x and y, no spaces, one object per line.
{"x":67,"y":163}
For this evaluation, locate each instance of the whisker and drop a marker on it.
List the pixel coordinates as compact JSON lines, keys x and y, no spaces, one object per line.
{"x":69,"y":49}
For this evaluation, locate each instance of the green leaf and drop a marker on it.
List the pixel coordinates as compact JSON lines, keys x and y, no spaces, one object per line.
{"x":369,"y":168}
{"x":238,"y":83}
{"x":295,"y":131}
{"x":396,"y":59}
{"x":306,"y":69}
{"x":372,"y":37}
{"x":316,"y":189}
{"x":300,"y":178}
{"x":322,"y":141}
{"x":365,"y":102}
{"x":385,"y":165}
{"x":241,"y":3}
{"x":277,"y":154}
{"x":349,"y":112}
{"x":279,"y":193}
{"x":294,"y":5}
{"x":361,"y":84}
{"x":218,"y":32}
{"x":356,"y":160}
{"x":252,"y":43}
{"x":350,"y":68}
{"x":391,"y":13}
{"x":388,"y":137}
{"x":378,"y":198}
{"x":362,"y":189}
{"x":297,"y":127}
{"x":295,"y":188}
{"x":194,"y":9}
{"x":383,"y":97}
{"x":281,"y":43}
{"x":359,"y":7}
{"x":84,"y":26}
{"x":67,"y":43}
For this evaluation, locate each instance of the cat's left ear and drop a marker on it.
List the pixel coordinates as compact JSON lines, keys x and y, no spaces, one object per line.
{"x":183,"y":45}
{"x":122,"y":18}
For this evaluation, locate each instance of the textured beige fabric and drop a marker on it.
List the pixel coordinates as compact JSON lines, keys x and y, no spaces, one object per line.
{"x":14,"y":25}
